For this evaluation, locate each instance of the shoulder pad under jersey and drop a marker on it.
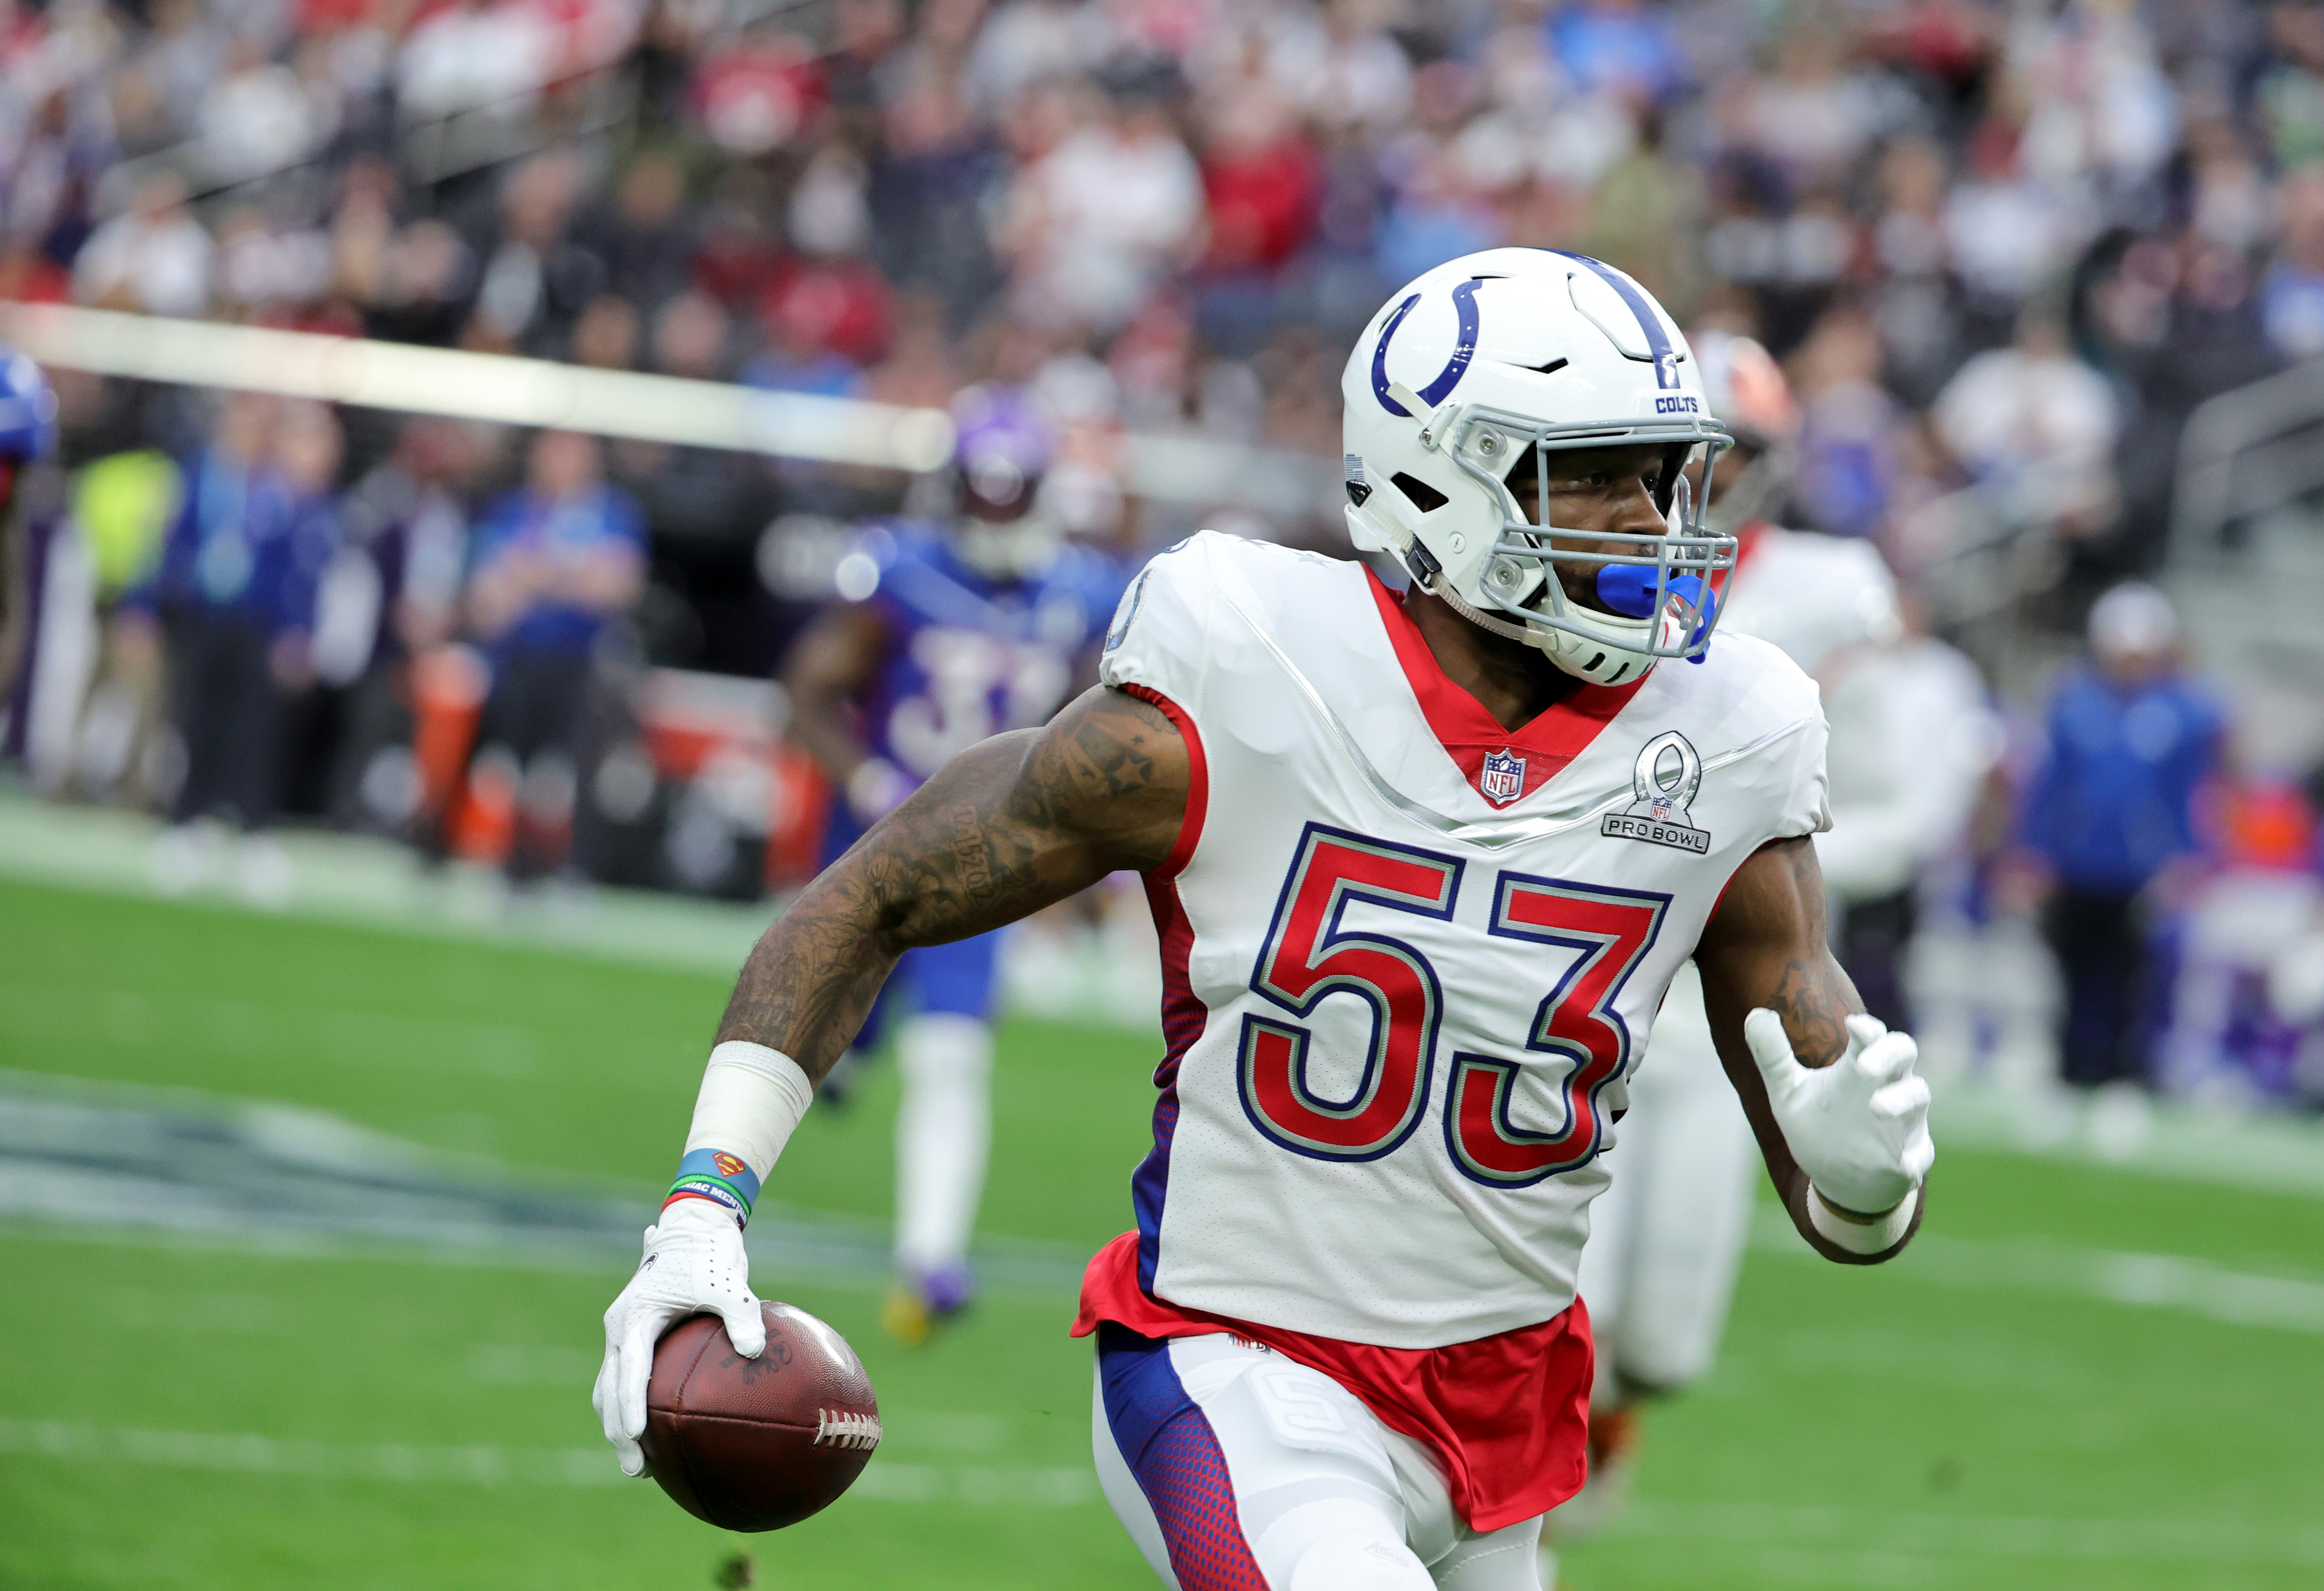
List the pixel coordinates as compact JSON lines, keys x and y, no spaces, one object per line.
{"x":1813,"y":596}
{"x":1164,"y":631}
{"x":1161,"y":626}
{"x":1760,"y":717}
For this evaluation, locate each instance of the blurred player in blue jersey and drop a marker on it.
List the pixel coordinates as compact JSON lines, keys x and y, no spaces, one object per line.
{"x":28,"y":433}
{"x":946,"y":633}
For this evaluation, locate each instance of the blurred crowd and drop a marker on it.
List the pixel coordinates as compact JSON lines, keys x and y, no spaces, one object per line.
{"x":2001,"y":250}
{"x":2000,"y":247}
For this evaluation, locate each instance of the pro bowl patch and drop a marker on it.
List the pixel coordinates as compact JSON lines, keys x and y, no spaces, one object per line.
{"x":1663,"y":784}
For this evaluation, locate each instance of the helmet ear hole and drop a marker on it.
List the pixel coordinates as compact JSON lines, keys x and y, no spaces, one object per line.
{"x":1673,"y":462}
{"x":1424,"y":497}
{"x":1523,"y":480}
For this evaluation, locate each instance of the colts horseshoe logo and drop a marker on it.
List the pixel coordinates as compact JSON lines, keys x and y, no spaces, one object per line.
{"x":1659,"y":352}
{"x":1464,"y":300}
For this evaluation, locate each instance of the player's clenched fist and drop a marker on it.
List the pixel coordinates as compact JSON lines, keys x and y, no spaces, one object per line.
{"x":694,"y":1265}
{"x":1860,"y":1128}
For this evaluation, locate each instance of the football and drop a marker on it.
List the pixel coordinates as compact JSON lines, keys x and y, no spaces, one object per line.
{"x":758,"y":1444}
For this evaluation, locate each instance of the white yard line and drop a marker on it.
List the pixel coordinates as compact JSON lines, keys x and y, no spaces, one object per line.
{"x":249,"y":1452}
{"x":2283,"y":1302}
{"x":2265,"y":1154}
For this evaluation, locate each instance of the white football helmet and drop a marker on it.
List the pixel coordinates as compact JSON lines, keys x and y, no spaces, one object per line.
{"x":1489,"y":363}
{"x":1746,"y":388}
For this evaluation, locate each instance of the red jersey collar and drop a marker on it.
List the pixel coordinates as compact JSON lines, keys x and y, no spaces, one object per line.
{"x":1503,"y":765}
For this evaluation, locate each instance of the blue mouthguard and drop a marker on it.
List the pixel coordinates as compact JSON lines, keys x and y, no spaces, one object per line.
{"x":1628,"y":588}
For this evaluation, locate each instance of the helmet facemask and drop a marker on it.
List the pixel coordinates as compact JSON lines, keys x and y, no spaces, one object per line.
{"x":1655,"y":592}
{"x":1757,"y":490}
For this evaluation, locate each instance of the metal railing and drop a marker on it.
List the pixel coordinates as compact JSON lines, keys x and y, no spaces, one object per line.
{"x":2249,"y":449}
{"x":365,"y":373}
{"x":427,"y":150}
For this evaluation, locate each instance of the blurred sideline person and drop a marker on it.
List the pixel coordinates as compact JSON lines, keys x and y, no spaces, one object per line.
{"x":2131,"y":740}
{"x":28,"y":434}
{"x":409,"y":518}
{"x":308,"y":451}
{"x":1666,"y":1239}
{"x":120,"y":745}
{"x":235,"y":598}
{"x":945,"y":636}
{"x":556,"y":561}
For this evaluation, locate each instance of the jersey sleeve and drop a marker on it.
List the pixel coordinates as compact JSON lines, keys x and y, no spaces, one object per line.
{"x":1159,"y":638}
{"x":1807,"y":789}
{"x":1778,"y":711}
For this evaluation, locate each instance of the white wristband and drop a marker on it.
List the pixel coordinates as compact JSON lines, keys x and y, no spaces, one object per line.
{"x":1877,"y":1235}
{"x":750,"y":1103}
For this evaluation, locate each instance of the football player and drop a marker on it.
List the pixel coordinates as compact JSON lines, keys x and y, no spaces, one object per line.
{"x":28,"y":434}
{"x":950,"y":634}
{"x":1424,"y":865}
{"x":1667,"y":1237}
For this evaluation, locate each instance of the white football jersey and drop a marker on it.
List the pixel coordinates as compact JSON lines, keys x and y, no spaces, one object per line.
{"x":1815,"y":597}
{"x":1409,"y":957}
{"x":1911,"y":736}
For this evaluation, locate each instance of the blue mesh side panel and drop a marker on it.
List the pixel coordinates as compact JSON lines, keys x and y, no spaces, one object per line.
{"x":1169,"y":1445}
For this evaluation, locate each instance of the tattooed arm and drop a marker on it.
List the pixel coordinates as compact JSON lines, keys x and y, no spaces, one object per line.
{"x":1765,"y":947}
{"x":1007,"y":828}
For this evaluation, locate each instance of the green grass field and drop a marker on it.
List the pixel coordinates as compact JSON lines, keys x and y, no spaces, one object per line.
{"x":2080,"y":1379}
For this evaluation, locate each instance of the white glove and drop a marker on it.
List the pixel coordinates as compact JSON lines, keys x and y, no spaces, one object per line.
{"x":694,"y":1265}
{"x":1859,"y":1127}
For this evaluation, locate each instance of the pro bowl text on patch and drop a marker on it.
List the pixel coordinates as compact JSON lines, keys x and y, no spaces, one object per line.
{"x":1663,"y":787}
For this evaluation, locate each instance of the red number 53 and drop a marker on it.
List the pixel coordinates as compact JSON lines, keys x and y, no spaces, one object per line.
{"x":1310,"y":954}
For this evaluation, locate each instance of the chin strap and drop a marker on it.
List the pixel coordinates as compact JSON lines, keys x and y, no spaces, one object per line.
{"x":1442,"y":589}
{"x":1554,"y":649}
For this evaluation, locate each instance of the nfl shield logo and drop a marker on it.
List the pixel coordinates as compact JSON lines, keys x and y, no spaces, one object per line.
{"x":1503,"y":779}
